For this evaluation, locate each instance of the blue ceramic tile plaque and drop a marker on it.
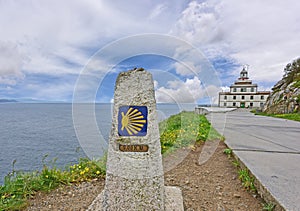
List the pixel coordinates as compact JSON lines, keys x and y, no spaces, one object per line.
{"x":132,"y":120}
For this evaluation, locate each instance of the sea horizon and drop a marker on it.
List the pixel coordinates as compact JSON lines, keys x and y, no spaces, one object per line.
{"x":34,"y":134}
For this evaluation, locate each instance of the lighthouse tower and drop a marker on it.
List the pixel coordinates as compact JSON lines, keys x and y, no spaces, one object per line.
{"x":244,"y":73}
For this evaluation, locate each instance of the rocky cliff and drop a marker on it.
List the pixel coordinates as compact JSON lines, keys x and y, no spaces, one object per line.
{"x":285,"y":96}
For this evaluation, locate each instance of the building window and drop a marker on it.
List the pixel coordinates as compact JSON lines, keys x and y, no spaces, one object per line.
{"x":225,"y":97}
{"x":234,"y":104}
{"x":234,"y":97}
{"x":252,"y":89}
{"x":251,"y":97}
{"x":243,"y":97}
{"x":234,"y":89}
{"x":243,"y":89}
{"x":225,"y":104}
{"x":262,"y":97}
{"x":251,"y":104}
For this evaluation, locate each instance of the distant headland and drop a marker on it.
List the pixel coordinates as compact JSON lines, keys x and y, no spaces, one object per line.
{"x":8,"y":101}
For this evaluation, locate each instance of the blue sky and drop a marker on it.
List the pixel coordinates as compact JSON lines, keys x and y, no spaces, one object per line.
{"x":46,"y":45}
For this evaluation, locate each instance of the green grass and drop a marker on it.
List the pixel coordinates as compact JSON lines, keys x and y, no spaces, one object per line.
{"x":247,"y":180}
{"x":20,"y":186}
{"x":292,"y":116}
{"x":244,"y":175}
{"x":297,"y":84}
{"x":184,"y":129}
{"x":181,"y":130}
{"x":228,"y":152}
{"x":269,"y":206}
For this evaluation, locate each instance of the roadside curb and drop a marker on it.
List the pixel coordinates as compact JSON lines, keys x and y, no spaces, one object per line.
{"x":262,"y":191}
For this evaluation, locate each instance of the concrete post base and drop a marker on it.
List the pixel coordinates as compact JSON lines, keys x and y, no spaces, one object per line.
{"x":173,"y":200}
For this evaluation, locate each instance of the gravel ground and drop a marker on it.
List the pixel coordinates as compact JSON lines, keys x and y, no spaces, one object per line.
{"x":211,"y":186}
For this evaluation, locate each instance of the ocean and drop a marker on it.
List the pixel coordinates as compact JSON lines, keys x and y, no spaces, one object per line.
{"x":34,"y":134}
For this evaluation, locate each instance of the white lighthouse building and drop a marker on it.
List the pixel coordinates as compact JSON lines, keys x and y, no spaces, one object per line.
{"x":243,"y":94}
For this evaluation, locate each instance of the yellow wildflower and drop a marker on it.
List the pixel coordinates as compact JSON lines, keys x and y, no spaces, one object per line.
{"x":97,"y":172}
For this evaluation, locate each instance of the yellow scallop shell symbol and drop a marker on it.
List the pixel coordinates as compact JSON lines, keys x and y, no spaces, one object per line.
{"x":133,"y":121}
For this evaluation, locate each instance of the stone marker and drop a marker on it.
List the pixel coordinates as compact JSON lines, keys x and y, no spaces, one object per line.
{"x":134,"y":171}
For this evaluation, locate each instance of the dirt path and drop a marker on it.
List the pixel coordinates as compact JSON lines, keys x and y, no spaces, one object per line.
{"x":211,"y":186}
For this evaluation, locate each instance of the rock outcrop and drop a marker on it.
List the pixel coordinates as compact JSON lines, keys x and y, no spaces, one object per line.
{"x":285,"y":96}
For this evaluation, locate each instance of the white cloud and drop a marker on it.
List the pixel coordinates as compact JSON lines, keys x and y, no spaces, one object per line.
{"x":191,"y":62}
{"x":155,"y":84}
{"x":263,"y":34}
{"x":188,"y":91}
{"x":58,"y":37}
{"x":213,"y":93}
{"x":52,"y":91}
{"x":198,"y":24}
{"x":10,"y":63}
{"x":178,"y":91}
{"x":188,"y":62}
{"x":157,"y":11}
{"x":50,"y":32}
{"x":225,"y":88}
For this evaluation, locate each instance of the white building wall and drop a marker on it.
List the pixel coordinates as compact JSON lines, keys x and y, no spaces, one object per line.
{"x":255,"y":101}
{"x":246,"y":89}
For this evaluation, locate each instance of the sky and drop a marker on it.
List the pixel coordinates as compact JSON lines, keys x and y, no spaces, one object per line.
{"x":47,"y":46}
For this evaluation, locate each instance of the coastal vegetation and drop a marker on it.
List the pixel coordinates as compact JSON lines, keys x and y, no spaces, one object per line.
{"x":20,"y":186}
{"x":181,"y":130}
{"x":293,"y":116}
{"x":244,"y":175}
{"x":285,"y":96}
{"x":184,"y":129}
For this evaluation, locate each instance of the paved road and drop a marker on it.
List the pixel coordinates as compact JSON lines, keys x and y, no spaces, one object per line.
{"x":269,"y":147}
